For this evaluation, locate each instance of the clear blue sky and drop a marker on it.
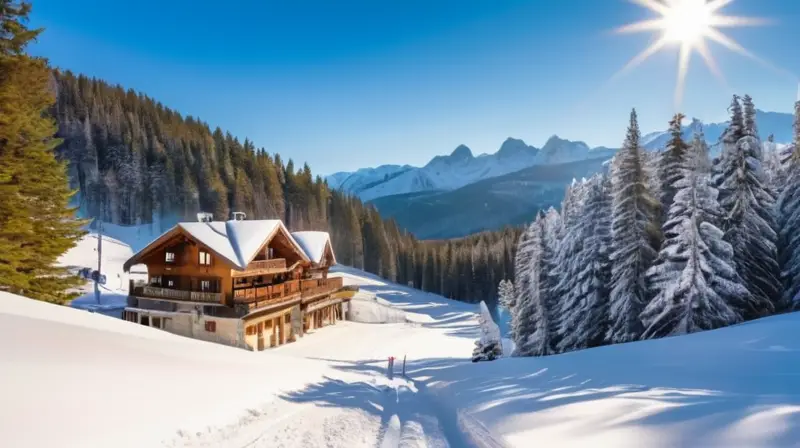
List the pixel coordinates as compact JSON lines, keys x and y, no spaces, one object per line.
{"x":345,"y":84}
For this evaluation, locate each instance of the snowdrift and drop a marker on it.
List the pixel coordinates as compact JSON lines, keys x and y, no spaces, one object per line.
{"x":733,"y":387}
{"x":367,"y":309}
{"x":97,"y":381}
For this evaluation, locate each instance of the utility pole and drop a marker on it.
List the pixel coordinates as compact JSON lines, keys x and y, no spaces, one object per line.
{"x":99,"y":260}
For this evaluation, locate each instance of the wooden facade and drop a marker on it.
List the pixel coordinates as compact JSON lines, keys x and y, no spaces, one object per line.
{"x":279,"y":295}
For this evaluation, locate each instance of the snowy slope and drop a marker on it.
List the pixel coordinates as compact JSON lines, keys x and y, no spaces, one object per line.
{"x":732,"y":387}
{"x":98,"y":382}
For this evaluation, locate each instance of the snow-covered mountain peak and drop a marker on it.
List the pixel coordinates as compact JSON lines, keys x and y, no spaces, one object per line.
{"x":462,"y":152}
{"x":513,"y":147}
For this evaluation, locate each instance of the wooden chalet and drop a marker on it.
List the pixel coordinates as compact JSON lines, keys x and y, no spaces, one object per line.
{"x":250,"y":284}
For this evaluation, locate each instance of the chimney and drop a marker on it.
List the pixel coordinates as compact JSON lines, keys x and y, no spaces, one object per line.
{"x":205,"y":217}
{"x":238,"y":216}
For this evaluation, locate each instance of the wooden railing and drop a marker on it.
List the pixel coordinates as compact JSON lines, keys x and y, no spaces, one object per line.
{"x":273,"y":292}
{"x":258,"y":267}
{"x":318,"y":286}
{"x":156,"y":292}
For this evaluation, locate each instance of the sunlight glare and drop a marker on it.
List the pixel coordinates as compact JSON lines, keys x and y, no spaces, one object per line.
{"x":689,"y":24}
{"x":687,"y":21}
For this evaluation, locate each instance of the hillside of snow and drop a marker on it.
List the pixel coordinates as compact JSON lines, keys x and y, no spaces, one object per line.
{"x":98,"y":381}
{"x":119,"y":244}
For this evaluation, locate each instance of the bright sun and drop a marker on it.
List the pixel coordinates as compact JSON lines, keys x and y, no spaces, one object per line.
{"x":687,"y":23}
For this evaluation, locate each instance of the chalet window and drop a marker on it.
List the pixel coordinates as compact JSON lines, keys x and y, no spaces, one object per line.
{"x":205,"y":285}
{"x":157,"y":322}
{"x":270,"y":253}
{"x":169,"y":257}
{"x":170,"y":283}
{"x":146,"y":321}
{"x":155,"y":280}
{"x":250,"y":330}
{"x":211,"y":326}
{"x":205,"y":258}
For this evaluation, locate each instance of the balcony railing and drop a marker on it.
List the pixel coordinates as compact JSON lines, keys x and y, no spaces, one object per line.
{"x":271,"y":292}
{"x":319,"y":286}
{"x":258,"y":267}
{"x":155,"y":292}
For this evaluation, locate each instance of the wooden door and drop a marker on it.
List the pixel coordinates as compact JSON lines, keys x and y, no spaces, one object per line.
{"x":260,"y":336}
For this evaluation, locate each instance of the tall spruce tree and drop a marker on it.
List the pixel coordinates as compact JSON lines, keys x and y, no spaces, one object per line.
{"x":635,"y":238}
{"x":789,"y":215}
{"x":583,"y":289}
{"x":749,"y":117}
{"x":694,"y":281}
{"x":533,"y":328}
{"x":36,"y":223}
{"x":672,"y":162}
{"x":749,"y":222}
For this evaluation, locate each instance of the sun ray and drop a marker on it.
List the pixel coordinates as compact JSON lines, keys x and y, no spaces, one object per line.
{"x":716,"y":5}
{"x":683,"y":68}
{"x":690,"y":24}
{"x":728,"y":43}
{"x":735,"y":21}
{"x":638,"y":27}
{"x":711,"y":63}
{"x":641,"y":57}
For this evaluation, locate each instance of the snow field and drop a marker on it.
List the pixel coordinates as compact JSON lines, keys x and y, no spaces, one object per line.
{"x":98,"y":382}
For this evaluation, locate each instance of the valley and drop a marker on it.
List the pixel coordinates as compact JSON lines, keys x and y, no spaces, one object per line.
{"x":460,"y":194}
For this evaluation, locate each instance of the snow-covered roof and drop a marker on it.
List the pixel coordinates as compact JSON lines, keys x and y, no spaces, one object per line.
{"x":313,"y":244}
{"x":236,"y":241}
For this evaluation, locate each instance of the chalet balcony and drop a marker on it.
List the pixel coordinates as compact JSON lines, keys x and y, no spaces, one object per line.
{"x":155,"y":292}
{"x":320,"y":286}
{"x":248,"y":299}
{"x":263,"y":267}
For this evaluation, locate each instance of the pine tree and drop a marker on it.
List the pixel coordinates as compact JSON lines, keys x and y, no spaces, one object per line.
{"x":506,"y":296}
{"x":694,"y":281}
{"x":583,"y":286}
{"x":532,"y":326}
{"x":36,"y":223}
{"x":635,"y":237}
{"x":749,"y":117}
{"x":672,"y":161}
{"x":749,"y":223}
{"x":789,"y":214}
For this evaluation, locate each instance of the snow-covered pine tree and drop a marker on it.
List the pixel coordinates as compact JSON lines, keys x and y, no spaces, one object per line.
{"x":749,"y":225}
{"x":522,"y":262}
{"x":672,"y":163}
{"x":505,"y":294}
{"x":572,"y":203}
{"x":635,"y":238}
{"x":583,"y":289}
{"x":749,"y":117}
{"x":489,"y":347}
{"x":773,"y":166}
{"x":694,"y":281}
{"x":533,"y":331}
{"x":733,"y":133}
{"x":789,"y":215}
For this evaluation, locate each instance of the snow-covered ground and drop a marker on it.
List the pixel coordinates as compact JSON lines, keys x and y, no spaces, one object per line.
{"x":72,"y":378}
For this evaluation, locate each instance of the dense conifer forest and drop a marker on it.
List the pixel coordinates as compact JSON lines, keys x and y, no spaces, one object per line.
{"x":134,"y":161}
{"x":681,"y":240}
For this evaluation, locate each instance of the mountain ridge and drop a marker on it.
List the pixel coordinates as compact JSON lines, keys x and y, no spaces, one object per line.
{"x":461,"y":167}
